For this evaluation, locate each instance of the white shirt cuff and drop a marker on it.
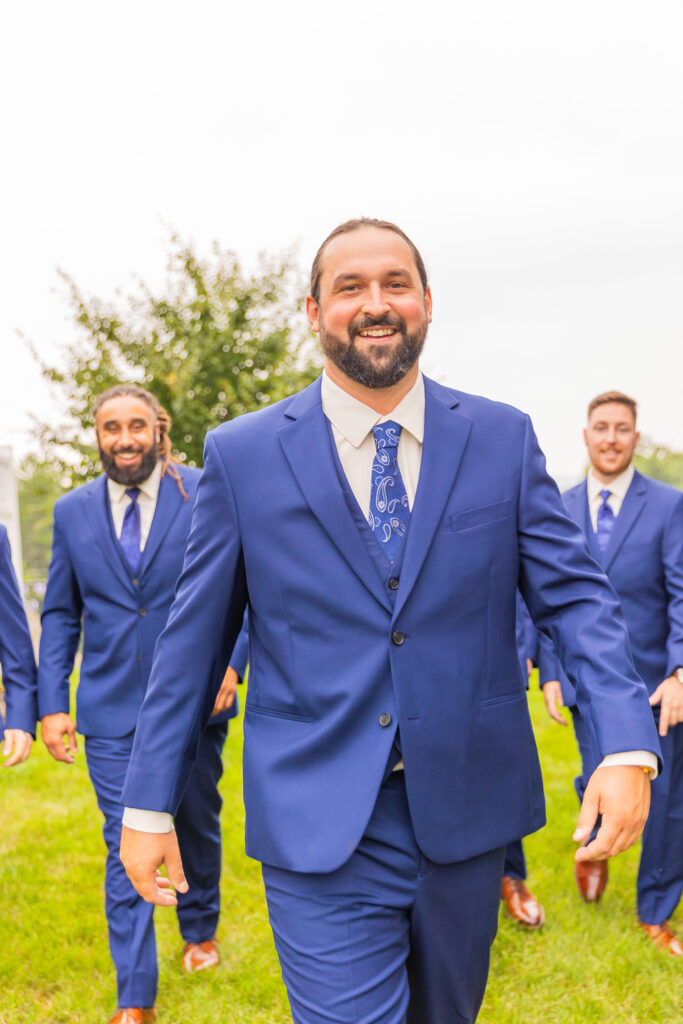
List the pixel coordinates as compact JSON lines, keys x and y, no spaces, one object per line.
{"x":147,"y":821}
{"x":639,"y":758}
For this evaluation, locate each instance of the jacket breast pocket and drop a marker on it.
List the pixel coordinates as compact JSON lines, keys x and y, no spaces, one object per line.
{"x":481,"y":516}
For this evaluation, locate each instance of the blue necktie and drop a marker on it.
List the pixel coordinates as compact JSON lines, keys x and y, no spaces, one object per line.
{"x":130,"y":531}
{"x":605,"y":522}
{"x":389,"y":512}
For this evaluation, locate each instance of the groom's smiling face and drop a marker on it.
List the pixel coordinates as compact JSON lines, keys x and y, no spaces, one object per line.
{"x":373,"y":312}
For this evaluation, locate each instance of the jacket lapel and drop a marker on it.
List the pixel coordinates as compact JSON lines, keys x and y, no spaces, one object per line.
{"x":632,"y":505}
{"x":169,"y":501}
{"x":576,"y":502}
{"x":97,"y":516}
{"x":446,"y":432}
{"x":306,"y":445}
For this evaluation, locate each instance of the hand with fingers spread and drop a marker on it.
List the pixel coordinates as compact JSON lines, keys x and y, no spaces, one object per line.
{"x":552,"y":695}
{"x":16,"y":746}
{"x":143,"y":854}
{"x":59,"y":736}
{"x":226,"y":694}
{"x":621,"y":794}
{"x":670,"y":694}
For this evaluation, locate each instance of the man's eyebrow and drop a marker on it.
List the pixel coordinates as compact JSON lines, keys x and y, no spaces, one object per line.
{"x":345,"y":278}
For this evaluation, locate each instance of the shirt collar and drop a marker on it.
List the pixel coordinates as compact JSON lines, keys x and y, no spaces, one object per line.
{"x":619,"y":486}
{"x":148,"y":487}
{"x":354,"y":419}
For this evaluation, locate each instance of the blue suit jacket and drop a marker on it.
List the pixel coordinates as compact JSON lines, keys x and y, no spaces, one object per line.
{"x":644,"y":563}
{"x":16,"y":650}
{"x":90,"y":586}
{"x":333,"y":648}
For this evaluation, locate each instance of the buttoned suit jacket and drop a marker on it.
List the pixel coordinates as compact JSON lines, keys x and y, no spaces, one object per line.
{"x":644,"y":562}
{"x":121,"y":613}
{"x":333,"y":650}
{"x":16,"y":650}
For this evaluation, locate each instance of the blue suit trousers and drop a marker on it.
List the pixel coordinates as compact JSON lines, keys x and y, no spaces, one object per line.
{"x":660,"y":872}
{"x":129,"y":919}
{"x":390,"y":937}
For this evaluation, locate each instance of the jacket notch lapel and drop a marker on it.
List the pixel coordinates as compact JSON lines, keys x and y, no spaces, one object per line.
{"x":100,"y":526}
{"x":169,"y":500}
{"x":446,"y":435}
{"x":306,"y":445}
{"x":631,"y":507}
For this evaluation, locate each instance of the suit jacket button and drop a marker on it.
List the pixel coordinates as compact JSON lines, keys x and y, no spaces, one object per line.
{"x":385,"y":720}
{"x":136,"y":581}
{"x":393,"y":583}
{"x":398,"y":638}
{"x":142,"y":611}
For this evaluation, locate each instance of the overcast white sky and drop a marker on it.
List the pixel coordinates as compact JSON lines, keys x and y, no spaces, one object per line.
{"x":533,"y":150}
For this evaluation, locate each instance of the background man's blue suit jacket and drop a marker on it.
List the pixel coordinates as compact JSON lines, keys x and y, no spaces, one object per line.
{"x":16,"y":650}
{"x":644,"y":562}
{"x":273,"y":525}
{"x":122,"y":614}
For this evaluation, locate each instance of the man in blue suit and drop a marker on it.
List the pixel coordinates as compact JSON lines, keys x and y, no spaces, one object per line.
{"x":634,"y":529}
{"x":118,"y":549}
{"x":378,"y":525}
{"x":17,"y":662}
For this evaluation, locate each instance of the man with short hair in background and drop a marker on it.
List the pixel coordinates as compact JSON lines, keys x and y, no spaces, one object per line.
{"x":634,"y":529}
{"x":378,"y":525}
{"x":118,"y":548}
{"x":18,"y":664}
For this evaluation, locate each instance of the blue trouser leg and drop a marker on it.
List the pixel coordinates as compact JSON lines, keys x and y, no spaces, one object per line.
{"x":515,"y":861}
{"x":198,"y":828}
{"x":660,"y":873}
{"x":590,"y":758}
{"x":390,"y":937}
{"x":129,"y":918}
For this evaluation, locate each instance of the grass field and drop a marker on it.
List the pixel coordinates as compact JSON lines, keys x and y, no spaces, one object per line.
{"x":588,"y":964}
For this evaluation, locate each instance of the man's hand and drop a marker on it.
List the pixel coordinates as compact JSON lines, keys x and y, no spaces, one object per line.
{"x":670,"y":693}
{"x":17,"y":746}
{"x":59,"y":736}
{"x":621,"y":794}
{"x":142,"y":854}
{"x":226,"y":694}
{"x":552,"y":695}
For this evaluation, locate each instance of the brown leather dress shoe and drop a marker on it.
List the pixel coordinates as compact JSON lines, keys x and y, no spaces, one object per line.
{"x":197,"y":956}
{"x":521,"y":904}
{"x":591,"y":879}
{"x":663,"y":937}
{"x":134,"y":1015}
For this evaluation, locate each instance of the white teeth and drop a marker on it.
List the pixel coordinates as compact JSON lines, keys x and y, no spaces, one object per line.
{"x":380,"y":333}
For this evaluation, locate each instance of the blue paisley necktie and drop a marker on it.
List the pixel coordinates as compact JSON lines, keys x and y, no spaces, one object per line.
{"x":389,"y":512}
{"x":130,"y":531}
{"x":605,"y":521}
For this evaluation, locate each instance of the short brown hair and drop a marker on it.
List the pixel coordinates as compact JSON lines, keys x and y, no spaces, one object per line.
{"x":354,"y":225}
{"x":614,"y":396}
{"x":165,"y":447}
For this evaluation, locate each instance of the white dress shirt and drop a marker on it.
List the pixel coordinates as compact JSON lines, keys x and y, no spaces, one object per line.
{"x":617,"y":488}
{"x":352,"y":422}
{"x":147,"y":503}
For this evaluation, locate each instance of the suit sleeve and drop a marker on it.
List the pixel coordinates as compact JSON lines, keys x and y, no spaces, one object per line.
{"x":16,"y":649}
{"x":240,"y":654}
{"x":61,"y":627}
{"x":672,"y":562}
{"x":571,"y":600}
{"x":191,"y":654}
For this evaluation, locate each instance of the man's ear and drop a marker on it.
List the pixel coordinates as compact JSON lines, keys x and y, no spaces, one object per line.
{"x":313,"y":314}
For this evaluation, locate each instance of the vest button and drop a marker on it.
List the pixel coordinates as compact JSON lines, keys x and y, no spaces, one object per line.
{"x":385,"y":720}
{"x":398,"y":638}
{"x":393,"y":583}
{"x":142,"y":612}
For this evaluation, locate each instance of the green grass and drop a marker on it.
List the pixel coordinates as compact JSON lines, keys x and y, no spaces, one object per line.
{"x":588,"y":964}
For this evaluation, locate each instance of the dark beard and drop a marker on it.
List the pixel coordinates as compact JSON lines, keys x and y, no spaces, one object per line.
{"x":383,"y":369}
{"x":128,"y":477}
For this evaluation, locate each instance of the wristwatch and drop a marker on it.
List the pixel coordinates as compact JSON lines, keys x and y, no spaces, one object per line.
{"x":679,"y":674}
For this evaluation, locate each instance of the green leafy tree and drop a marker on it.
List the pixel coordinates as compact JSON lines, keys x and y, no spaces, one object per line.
{"x":40,"y":484}
{"x":217,"y":343}
{"x":660,"y":462}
